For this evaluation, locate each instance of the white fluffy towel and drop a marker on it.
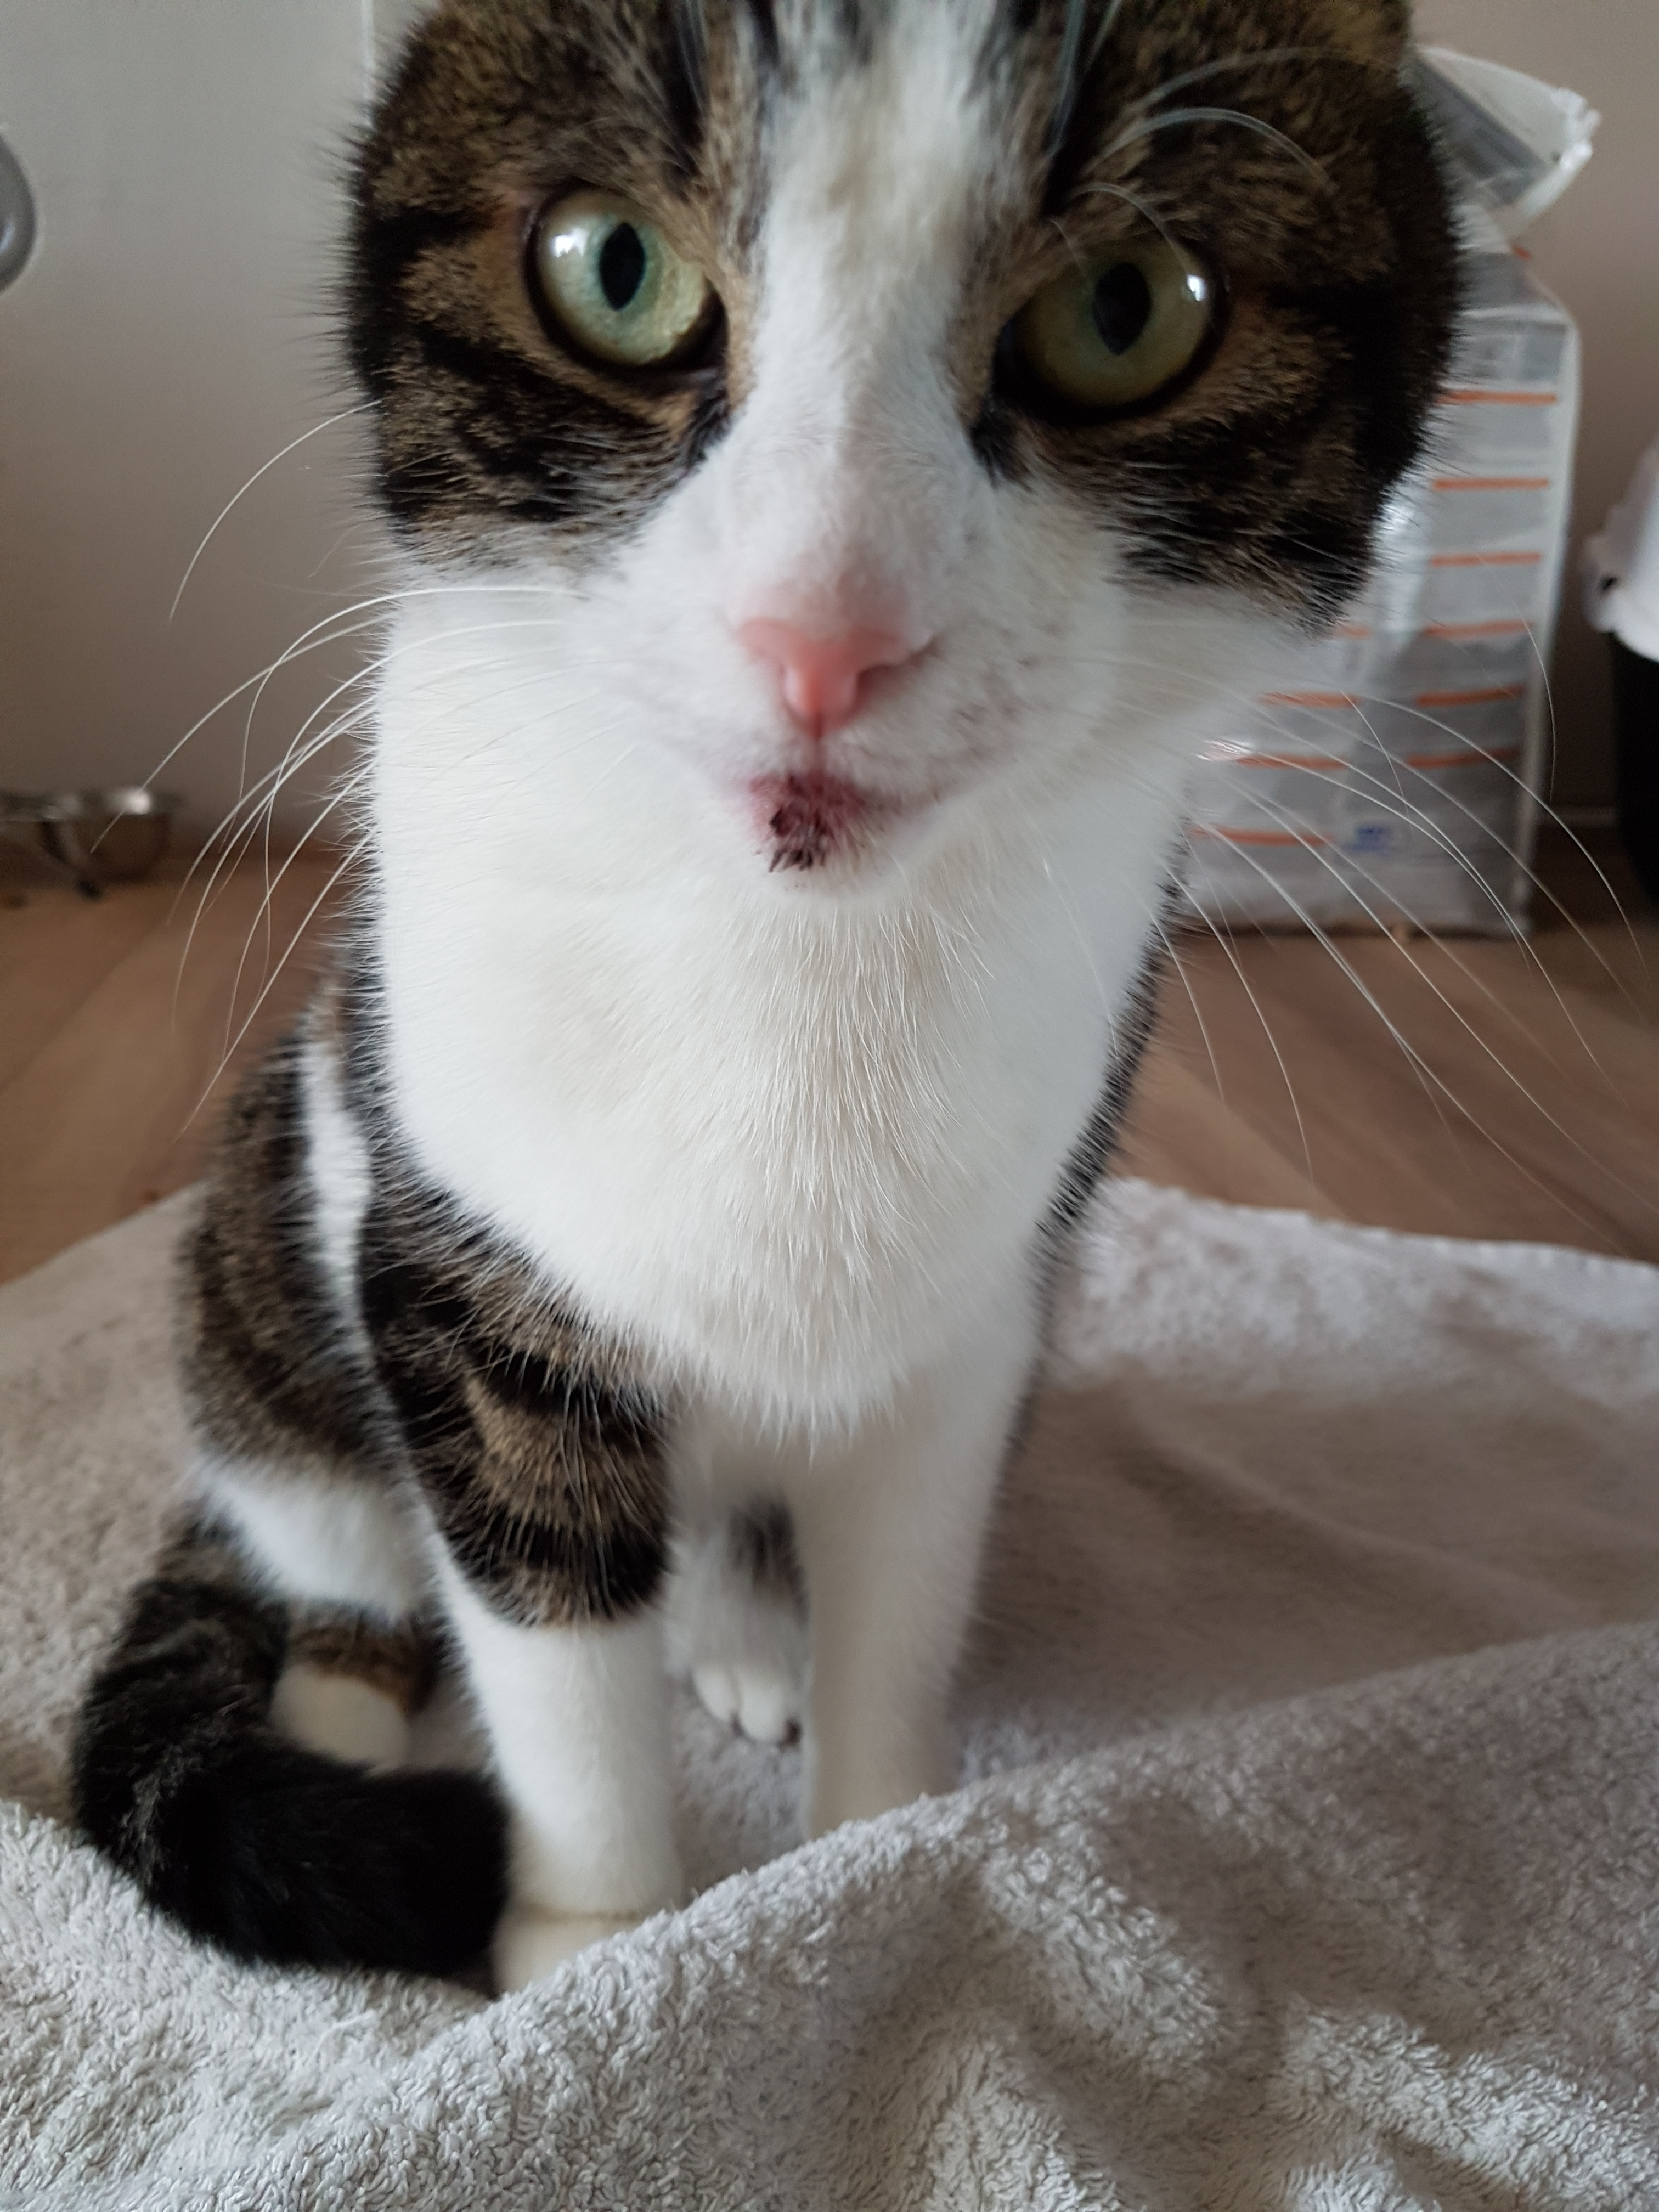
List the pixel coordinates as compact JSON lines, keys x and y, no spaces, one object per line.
{"x":1307,"y":1853}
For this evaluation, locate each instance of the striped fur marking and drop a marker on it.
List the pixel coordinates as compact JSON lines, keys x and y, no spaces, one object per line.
{"x":538,"y":1450}
{"x":271,"y":1371}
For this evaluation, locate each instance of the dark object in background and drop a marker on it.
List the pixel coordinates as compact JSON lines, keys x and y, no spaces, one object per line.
{"x":1636,"y":707}
{"x":113,"y":837}
{"x":17,"y":221}
{"x":1621,"y":596}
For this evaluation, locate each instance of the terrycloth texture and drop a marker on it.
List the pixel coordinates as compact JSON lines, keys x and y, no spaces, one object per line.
{"x":1310,"y":1859}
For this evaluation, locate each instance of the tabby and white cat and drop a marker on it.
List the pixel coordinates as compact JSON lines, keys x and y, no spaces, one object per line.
{"x":846,"y":454}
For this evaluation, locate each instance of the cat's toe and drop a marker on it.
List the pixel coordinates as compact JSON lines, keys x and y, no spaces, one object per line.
{"x":769,"y":1706}
{"x":531,"y":1942}
{"x":738,"y":1627}
{"x":762,"y":1702}
{"x":717,"y":1688}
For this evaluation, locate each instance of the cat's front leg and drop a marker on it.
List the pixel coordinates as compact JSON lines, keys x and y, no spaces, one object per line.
{"x":541,"y":1458}
{"x":577,"y":1717}
{"x":890,"y":1531}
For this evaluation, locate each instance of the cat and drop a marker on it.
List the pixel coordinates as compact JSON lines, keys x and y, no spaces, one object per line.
{"x":844,"y":457}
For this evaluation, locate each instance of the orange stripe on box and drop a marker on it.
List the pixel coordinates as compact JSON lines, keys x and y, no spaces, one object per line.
{"x":1307,"y":699}
{"x":1467,"y":398}
{"x":1477,"y":629}
{"x":1467,"y":759}
{"x":1286,"y":760}
{"x":1485,"y":560}
{"x":1489,"y":483}
{"x":1470,"y":698}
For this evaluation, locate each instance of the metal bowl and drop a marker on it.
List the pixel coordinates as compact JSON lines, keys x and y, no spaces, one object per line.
{"x":113,"y":836}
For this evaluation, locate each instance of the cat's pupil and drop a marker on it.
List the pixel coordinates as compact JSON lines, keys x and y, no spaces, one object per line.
{"x":1122,"y":307}
{"x":622,"y":265}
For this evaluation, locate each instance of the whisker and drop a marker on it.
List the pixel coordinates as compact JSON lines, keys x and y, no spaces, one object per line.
{"x":1266,"y":57}
{"x":379,"y":663}
{"x":351,"y":784}
{"x":1416,"y":815}
{"x":1107,"y":25}
{"x":1161,"y":931}
{"x":1148,"y":125}
{"x":312,"y":912}
{"x":1432,"y":1085}
{"x":1132,"y":199}
{"x":321,"y":634}
{"x":234,"y":850}
{"x":1434,"y":722}
{"x":1224,"y":941}
{"x":1287,"y":823}
{"x":316,"y":430}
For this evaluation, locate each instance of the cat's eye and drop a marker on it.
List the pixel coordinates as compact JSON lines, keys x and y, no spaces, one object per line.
{"x":1123,"y":324}
{"x":614,"y":285}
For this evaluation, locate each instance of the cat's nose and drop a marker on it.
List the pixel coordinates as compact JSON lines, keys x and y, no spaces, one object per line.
{"x":820,"y":678}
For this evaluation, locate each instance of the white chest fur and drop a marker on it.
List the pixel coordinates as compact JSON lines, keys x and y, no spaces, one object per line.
{"x":781,"y":1134}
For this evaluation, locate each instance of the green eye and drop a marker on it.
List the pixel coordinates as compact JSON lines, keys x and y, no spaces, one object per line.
{"x":1118,"y":327}
{"x":614,"y":284}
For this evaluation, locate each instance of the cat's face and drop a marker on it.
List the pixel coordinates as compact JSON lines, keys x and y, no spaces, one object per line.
{"x":886,"y":403}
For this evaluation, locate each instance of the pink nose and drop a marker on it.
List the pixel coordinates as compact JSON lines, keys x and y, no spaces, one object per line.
{"x":820,"y":677}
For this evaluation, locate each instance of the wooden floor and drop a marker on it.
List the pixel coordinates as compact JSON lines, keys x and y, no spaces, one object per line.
{"x":1464,"y":1088}
{"x":1459,"y":1087}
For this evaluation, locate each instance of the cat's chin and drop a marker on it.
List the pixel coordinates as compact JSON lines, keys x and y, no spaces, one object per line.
{"x":810,"y":820}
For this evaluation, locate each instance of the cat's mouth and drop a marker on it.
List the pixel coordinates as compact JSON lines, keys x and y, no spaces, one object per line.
{"x":807,"y":819}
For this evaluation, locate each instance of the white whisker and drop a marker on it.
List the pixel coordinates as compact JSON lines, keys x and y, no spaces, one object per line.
{"x":315,"y":431}
{"x":1289,"y":824}
{"x":1148,"y":125}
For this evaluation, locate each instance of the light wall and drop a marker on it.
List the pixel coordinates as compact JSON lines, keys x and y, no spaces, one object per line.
{"x":1598,"y":250}
{"x":172,"y":334}
{"x":171,"y":337}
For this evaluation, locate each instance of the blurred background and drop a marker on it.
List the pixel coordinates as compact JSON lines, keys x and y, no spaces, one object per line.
{"x":171,"y":334}
{"x":1598,"y":250}
{"x":168,"y":336}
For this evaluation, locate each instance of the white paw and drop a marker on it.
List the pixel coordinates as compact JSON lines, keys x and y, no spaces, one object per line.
{"x":530,"y":1943}
{"x":764,"y":1702}
{"x":741,"y":1640}
{"x":340,"y":1714}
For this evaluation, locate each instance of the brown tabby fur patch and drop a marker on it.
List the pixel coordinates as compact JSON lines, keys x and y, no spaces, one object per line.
{"x":537,"y":1448}
{"x":271,"y":1373}
{"x":534,"y":1445}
